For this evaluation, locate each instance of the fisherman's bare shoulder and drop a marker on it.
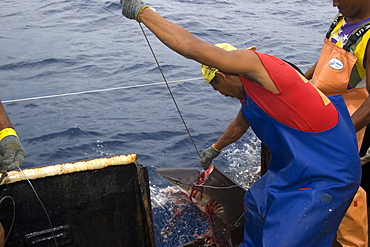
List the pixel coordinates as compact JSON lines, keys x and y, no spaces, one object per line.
{"x":241,"y":61}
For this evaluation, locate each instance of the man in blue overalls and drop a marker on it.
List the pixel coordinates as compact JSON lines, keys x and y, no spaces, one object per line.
{"x":308,"y":187}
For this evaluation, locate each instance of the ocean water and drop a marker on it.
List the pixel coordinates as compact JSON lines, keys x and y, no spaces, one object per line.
{"x":78,"y":81}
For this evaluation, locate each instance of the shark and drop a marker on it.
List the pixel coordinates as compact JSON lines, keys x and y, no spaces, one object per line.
{"x":218,"y":197}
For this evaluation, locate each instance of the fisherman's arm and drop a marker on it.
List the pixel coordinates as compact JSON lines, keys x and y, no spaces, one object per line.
{"x":11,"y":150}
{"x":361,"y":117}
{"x":186,"y":44}
{"x":233,"y":132}
{"x":310,"y":71}
{"x":4,"y":120}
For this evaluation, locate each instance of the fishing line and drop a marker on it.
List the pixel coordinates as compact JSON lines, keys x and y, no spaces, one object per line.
{"x":217,"y":187}
{"x":12,"y":224}
{"x":169,"y":89}
{"x":42,"y":205}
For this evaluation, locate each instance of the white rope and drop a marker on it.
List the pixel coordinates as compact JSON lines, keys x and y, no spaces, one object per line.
{"x":105,"y":89}
{"x":94,"y":91}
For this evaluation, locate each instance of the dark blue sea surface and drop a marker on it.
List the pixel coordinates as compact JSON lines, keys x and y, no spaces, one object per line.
{"x":78,"y":81}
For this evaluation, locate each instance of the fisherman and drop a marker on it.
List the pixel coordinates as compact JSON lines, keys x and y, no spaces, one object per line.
{"x":11,"y":150}
{"x":308,"y":187}
{"x":341,"y":69}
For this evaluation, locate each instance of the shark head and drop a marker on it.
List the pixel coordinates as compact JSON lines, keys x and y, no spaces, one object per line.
{"x":182,"y":178}
{"x":215,"y":194}
{"x":188,"y":181}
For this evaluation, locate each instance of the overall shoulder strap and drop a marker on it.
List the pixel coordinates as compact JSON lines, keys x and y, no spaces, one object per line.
{"x":356,"y":34}
{"x":334,"y":24}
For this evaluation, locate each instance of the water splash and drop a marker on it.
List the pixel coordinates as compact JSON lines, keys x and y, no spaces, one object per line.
{"x":244,"y":162}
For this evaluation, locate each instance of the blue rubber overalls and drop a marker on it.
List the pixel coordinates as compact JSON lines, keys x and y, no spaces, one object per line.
{"x":311,"y":180}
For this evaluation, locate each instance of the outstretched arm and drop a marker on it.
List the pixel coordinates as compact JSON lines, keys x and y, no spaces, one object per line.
{"x":186,"y":44}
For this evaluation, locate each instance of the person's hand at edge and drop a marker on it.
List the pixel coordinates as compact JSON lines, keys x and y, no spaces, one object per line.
{"x":11,"y":150}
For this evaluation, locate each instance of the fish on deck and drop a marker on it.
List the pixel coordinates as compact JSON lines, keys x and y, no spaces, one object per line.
{"x":218,"y":197}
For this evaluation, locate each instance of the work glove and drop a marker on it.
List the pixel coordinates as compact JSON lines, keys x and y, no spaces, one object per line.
{"x":132,"y":8}
{"x":208,"y":155}
{"x":11,"y":153}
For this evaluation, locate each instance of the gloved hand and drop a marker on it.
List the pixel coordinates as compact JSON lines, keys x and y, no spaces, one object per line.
{"x":208,"y":155}
{"x":132,"y":8}
{"x":11,"y":153}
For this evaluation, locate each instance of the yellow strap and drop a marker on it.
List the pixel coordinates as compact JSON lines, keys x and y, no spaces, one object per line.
{"x":7,"y":132}
{"x":213,"y":145}
{"x":138,"y":14}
